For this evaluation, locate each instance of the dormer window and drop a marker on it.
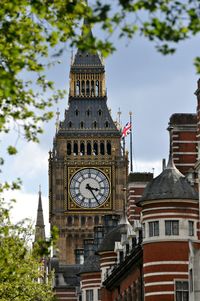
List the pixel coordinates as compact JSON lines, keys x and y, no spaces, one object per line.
{"x":100,"y":112}
{"x":106,"y":124}
{"x":95,"y":124}
{"x":88,"y":112}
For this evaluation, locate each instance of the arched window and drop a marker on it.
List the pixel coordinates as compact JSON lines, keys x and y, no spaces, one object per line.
{"x":81,"y":125}
{"x":108,"y":146}
{"x":89,"y":149}
{"x":69,"y":148}
{"x":70,"y":124}
{"x":97,"y":88}
{"x":82,"y":148}
{"x":95,"y":124}
{"x":106,"y":124}
{"x":76,"y":112}
{"x":96,"y":220}
{"x":88,"y":112}
{"x":87,"y":88}
{"x":95,"y":148}
{"x":92,"y":88}
{"x":102,"y":148}
{"x":77,"y":88}
{"x":75,"y":149}
{"x":69,"y":221}
{"x":83,"y":87}
{"x":100,"y":112}
{"x":82,"y":220}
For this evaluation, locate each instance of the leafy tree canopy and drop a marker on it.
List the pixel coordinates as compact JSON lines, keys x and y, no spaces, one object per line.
{"x":22,"y":273}
{"x":30,"y":29}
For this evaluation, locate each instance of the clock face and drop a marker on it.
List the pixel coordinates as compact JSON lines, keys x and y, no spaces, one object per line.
{"x":89,"y":188}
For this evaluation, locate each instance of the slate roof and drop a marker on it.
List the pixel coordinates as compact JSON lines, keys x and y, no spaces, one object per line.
{"x":78,"y":112}
{"x":65,"y":275}
{"x":90,"y":265}
{"x":108,"y":243}
{"x":83,"y":59}
{"x":170,"y":184}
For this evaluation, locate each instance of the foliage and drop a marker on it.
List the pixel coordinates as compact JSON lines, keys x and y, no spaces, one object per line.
{"x":31,"y":29}
{"x":20,"y":268}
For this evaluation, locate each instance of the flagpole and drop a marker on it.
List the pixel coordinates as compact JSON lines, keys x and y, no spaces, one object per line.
{"x":131,"y":145}
{"x":123,"y":146}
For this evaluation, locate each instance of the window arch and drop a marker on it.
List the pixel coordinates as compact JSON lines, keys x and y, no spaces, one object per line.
{"x":81,"y":124}
{"x":89,"y":149}
{"x":108,"y":146}
{"x":92,"y":88}
{"x":82,"y":148}
{"x":76,"y":112}
{"x":70,"y":124}
{"x":77,"y":88}
{"x":82,"y":220}
{"x":69,"y":221}
{"x":102,"y":148}
{"x":96,"y":220}
{"x":95,"y":124}
{"x":106,"y":124}
{"x":75,"y":148}
{"x":95,"y":148}
{"x":88,"y":112}
{"x":97,"y":88}
{"x":69,"y":148}
{"x":87,"y":88}
{"x":83,"y":87}
{"x":100,"y":112}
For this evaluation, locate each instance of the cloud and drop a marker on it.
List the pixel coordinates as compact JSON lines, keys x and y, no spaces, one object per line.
{"x":26,"y":206}
{"x":31,"y":160}
{"x":148,"y":166}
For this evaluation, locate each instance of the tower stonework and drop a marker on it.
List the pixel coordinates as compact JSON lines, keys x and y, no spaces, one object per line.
{"x":87,"y":170}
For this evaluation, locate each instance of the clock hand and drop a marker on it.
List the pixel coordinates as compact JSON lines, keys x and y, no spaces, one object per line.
{"x":91,"y":190}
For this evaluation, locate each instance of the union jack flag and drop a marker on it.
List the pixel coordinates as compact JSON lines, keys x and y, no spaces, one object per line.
{"x":126,"y":130}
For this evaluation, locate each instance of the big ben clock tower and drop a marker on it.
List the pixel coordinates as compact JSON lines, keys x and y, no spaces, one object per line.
{"x":87,"y":170}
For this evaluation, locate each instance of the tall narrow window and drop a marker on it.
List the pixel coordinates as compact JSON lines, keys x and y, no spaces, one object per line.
{"x":76,"y":112}
{"x":100,"y":112}
{"x":89,"y":148}
{"x":79,"y":256}
{"x":89,"y":295}
{"x":82,"y":149}
{"x":182,"y":293}
{"x":77,"y":88}
{"x":171,"y":227}
{"x":95,"y":151}
{"x":75,"y":150}
{"x":83,"y":87}
{"x":95,"y":124}
{"x":81,"y":125}
{"x":191,"y":281}
{"x":191,"y":228}
{"x":92,"y":88}
{"x":69,"y":148}
{"x":87,"y":88}
{"x":153,"y":228}
{"x":97,"y":88}
{"x":108,"y":145}
{"x":102,"y":148}
{"x":106,"y":124}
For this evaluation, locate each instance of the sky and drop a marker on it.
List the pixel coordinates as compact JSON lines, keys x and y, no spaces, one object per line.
{"x":138,"y":79}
